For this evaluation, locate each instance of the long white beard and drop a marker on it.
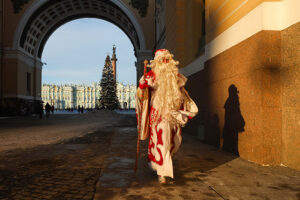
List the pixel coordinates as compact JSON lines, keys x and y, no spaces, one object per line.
{"x":168,"y":94}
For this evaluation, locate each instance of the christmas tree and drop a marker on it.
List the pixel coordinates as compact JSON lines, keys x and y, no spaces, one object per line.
{"x":108,"y":93}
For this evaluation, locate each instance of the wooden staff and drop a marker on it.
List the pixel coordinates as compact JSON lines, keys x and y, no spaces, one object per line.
{"x":139,"y":134}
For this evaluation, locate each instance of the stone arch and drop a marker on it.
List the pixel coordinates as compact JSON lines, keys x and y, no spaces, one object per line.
{"x":45,"y":16}
{"x":21,"y":86}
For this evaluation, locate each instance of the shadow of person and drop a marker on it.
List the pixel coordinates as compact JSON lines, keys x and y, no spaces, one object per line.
{"x":234,"y":121}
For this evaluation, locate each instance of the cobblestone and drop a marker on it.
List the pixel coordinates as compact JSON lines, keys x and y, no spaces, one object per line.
{"x":99,"y":166}
{"x":63,"y":171}
{"x":201,"y":172}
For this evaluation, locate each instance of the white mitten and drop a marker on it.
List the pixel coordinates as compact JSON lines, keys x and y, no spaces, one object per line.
{"x":180,"y":118}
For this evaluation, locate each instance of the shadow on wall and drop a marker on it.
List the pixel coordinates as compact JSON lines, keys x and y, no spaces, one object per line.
{"x":209,"y":127}
{"x":234,"y":122}
{"x":212,"y":126}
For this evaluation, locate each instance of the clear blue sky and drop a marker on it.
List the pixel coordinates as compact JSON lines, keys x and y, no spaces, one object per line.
{"x":76,"y":51}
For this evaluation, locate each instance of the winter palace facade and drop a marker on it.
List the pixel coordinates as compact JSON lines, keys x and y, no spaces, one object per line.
{"x":72,"y":95}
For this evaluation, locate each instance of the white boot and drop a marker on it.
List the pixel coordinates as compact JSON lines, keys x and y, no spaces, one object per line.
{"x":162,"y":179}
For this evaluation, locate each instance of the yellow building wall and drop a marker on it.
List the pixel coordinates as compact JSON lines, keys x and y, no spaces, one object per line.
{"x":10,"y":75}
{"x":38,"y":83}
{"x":264,"y":66}
{"x":184,"y":24}
{"x":184,"y":29}
{"x":147,"y":23}
{"x":1,"y":18}
{"x":23,"y":69}
{"x":256,"y":78}
{"x":221,"y":14}
{"x":15,"y":78}
{"x":290,"y":96}
{"x":11,"y":21}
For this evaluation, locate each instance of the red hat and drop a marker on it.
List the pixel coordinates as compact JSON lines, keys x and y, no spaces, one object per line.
{"x":161,"y":53}
{"x":160,"y":50}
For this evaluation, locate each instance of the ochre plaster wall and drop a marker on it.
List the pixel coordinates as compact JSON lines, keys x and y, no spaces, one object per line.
{"x":11,"y":21}
{"x":23,"y":69}
{"x":290,"y":96}
{"x":252,"y":68}
{"x":147,"y":23}
{"x":38,"y":83}
{"x":220,"y":15}
{"x":1,"y":21}
{"x":184,"y":29}
{"x":10,"y":76}
{"x":184,"y":37}
{"x":15,"y":77}
{"x":265,"y":70}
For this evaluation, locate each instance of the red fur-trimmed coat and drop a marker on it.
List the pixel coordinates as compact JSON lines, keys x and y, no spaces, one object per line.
{"x":164,"y":137}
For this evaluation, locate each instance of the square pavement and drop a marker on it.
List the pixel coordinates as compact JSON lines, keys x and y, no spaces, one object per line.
{"x":201,"y":172}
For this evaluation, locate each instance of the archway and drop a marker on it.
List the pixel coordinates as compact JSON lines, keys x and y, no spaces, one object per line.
{"x":43,"y":17}
{"x":76,"y":54}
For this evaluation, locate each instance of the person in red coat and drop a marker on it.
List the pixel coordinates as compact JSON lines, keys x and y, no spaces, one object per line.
{"x":163,"y":107}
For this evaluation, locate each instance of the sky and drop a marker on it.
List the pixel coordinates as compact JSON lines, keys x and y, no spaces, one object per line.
{"x":75,"y":53}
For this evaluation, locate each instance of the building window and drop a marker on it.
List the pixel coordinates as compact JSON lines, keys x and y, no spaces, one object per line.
{"x":28,"y":80}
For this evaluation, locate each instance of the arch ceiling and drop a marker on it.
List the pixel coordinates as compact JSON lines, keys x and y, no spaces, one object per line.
{"x":52,"y":14}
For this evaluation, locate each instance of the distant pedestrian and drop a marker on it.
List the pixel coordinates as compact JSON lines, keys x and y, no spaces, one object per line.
{"x":48,"y":109}
{"x":52,"y":109}
{"x":41,"y":110}
{"x":81,"y":109}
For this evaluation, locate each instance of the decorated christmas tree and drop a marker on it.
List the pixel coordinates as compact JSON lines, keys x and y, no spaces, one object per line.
{"x":108,"y":93}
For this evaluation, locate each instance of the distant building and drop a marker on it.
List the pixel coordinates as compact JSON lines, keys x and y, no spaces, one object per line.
{"x":126,"y":95}
{"x":72,"y":95}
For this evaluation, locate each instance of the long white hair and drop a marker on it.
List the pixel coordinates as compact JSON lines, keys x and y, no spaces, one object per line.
{"x":168,"y":95}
